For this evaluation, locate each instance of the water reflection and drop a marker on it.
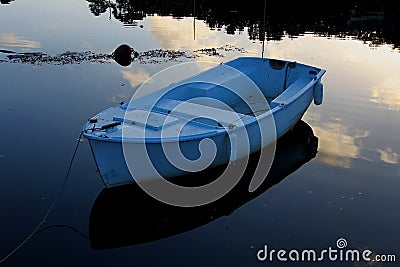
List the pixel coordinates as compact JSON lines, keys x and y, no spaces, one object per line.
{"x":126,"y":215}
{"x":340,"y":144}
{"x":137,"y":78}
{"x":374,"y":22}
{"x":6,"y":2}
{"x":11,"y":40}
{"x":387,"y":94}
{"x":388,"y":156}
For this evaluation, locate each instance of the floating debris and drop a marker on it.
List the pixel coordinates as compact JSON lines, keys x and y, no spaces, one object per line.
{"x":228,"y":48}
{"x":217,"y":51}
{"x":209,"y":52}
{"x":60,"y":59}
{"x":155,"y":56}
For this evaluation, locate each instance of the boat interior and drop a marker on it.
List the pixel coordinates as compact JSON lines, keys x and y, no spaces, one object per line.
{"x":248,"y":86}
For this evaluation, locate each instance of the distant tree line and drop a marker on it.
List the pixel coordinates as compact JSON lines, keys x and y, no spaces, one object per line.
{"x":374,"y":21}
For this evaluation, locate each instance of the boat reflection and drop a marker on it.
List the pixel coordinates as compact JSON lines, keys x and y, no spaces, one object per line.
{"x":126,"y":215}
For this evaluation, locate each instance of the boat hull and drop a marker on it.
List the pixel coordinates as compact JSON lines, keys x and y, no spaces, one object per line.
{"x":116,"y":168}
{"x":113,"y":167}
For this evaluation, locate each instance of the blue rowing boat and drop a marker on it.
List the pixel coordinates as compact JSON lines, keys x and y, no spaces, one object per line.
{"x":218,"y":116}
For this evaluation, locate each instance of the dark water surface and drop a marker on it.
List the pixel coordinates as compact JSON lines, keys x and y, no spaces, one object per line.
{"x":336,"y":176}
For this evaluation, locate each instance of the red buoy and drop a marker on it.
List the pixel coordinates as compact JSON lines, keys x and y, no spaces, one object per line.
{"x":123,"y":55}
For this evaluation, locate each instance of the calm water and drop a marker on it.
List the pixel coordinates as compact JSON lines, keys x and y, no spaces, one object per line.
{"x":337,"y":176}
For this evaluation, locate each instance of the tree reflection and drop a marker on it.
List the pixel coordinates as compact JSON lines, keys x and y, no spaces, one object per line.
{"x":376,"y":22}
{"x":98,"y":7}
{"x":5,"y":2}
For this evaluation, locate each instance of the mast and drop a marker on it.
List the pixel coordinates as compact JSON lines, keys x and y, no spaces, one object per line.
{"x":194,"y":19}
{"x":263,"y":29}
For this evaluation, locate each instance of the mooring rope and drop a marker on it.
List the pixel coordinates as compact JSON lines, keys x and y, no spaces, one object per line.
{"x":37,"y":229}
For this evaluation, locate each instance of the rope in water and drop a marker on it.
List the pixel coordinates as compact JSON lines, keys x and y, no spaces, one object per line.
{"x":37,"y":229}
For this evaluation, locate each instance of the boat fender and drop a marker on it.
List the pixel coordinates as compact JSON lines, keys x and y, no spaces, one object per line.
{"x":318,"y":93}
